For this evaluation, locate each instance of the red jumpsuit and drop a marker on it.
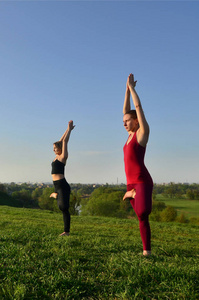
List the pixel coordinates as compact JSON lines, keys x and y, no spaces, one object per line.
{"x":138,"y":178}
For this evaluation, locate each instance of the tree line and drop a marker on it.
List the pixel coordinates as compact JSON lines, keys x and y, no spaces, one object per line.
{"x":180,"y":190}
{"x":98,"y":200}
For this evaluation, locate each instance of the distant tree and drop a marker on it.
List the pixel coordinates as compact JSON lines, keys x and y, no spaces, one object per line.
{"x":2,"y":188}
{"x":179,"y":194}
{"x":196,"y":194}
{"x":157,"y":207}
{"x":75,"y":201}
{"x":170,"y":190}
{"x":8,"y":200}
{"x":36,"y":194}
{"x":158,"y":188}
{"x":154,"y":194}
{"x":105,"y":201}
{"x":45,"y":202}
{"x":24,"y":196}
{"x":190,"y":194}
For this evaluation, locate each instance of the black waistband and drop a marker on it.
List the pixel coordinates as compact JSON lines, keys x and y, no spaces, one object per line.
{"x":59,"y":181}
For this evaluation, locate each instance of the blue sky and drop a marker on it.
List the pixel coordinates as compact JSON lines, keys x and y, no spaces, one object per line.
{"x":63,"y":60}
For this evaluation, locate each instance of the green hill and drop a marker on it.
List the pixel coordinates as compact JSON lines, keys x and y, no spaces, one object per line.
{"x":101,"y":259}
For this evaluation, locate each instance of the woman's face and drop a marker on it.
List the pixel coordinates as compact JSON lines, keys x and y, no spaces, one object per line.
{"x":130,"y":124}
{"x":57,"y":150}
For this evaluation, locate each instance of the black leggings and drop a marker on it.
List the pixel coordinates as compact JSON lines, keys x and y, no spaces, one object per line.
{"x":62,"y":188}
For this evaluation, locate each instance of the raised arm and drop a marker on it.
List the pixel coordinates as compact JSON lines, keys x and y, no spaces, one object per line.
{"x":65,"y":138}
{"x":143,"y":131}
{"x":127,"y":104}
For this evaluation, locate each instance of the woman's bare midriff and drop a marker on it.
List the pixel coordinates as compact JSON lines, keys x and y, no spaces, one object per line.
{"x":57,"y":176}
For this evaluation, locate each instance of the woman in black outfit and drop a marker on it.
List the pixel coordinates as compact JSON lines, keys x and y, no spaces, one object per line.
{"x":62,"y":188}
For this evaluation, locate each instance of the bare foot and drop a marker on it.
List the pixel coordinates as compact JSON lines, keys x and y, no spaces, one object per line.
{"x":53,"y":195}
{"x":64,"y":233}
{"x":130,"y":194}
{"x":146,"y":253}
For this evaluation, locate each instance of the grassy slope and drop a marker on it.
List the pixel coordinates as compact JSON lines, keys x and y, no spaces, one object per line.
{"x":100,"y":260}
{"x":189,"y":207}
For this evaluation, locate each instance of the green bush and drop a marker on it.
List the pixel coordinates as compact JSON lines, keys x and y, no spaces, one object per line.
{"x":194,"y":220}
{"x":155,"y":216}
{"x":105,"y":201}
{"x":157,"y":207}
{"x":181,"y":218}
{"x":169,"y":214}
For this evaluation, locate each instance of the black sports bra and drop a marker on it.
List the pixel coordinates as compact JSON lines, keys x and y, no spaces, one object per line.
{"x":57,"y":167}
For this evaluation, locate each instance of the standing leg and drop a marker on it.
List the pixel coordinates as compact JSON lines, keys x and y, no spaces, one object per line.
{"x":66,"y":218}
{"x":63,"y":203}
{"x":142,"y":205}
{"x":145,"y":232}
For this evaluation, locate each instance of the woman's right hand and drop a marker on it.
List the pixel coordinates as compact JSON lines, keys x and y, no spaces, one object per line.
{"x":129,"y":194}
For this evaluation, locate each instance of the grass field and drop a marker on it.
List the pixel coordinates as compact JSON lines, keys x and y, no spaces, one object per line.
{"x":101,"y":259}
{"x":190,"y":208}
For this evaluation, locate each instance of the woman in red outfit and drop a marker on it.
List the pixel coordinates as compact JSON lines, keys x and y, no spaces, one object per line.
{"x":139,"y":181}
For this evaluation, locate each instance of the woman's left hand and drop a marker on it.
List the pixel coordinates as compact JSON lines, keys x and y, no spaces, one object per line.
{"x":70,"y":125}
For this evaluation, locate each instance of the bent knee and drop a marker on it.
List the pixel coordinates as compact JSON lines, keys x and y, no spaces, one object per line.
{"x":142,"y":216}
{"x":63,"y":207}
